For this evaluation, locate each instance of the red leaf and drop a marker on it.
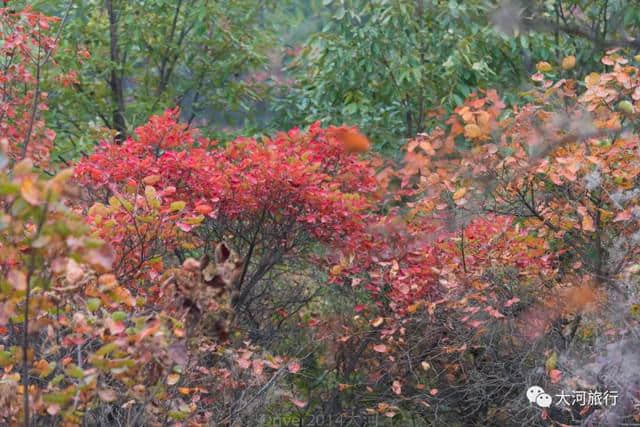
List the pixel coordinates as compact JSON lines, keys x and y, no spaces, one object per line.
{"x":555,"y":376}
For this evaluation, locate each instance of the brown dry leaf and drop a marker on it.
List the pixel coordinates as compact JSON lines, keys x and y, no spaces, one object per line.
{"x":101,"y":259}
{"x":107,"y":395}
{"x":581,"y":298}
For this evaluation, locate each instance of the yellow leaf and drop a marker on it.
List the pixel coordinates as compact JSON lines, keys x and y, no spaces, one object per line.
{"x":177,"y":206}
{"x":551,"y":362}
{"x":151,"y":196}
{"x":459,"y":194}
{"x":114,"y":202}
{"x":568,"y":62}
{"x":543,"y":67}
{"x":592,"y":79}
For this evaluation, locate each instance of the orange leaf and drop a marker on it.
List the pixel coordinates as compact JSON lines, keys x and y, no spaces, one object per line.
{"x":587,"y":221}
{"x":151,"y":179}
{"x":568,"y":62}
{"x":351,"y":138}
{"x":472,"y":131}
{"x":377,"y":322}
{"x":29,"y":192}
{"x":204,"y":209}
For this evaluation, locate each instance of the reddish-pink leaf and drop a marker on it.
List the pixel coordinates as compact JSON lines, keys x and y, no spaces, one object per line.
{"x":380,"y":348}
{"x":512,"y":301}
{"x":555,"y":376}
{"x":396,"y":387}
{"x":294,"y":367}
{"x":297,"y":402}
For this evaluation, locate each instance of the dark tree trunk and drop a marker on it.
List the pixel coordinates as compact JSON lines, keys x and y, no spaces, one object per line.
{"x":116,"y":78}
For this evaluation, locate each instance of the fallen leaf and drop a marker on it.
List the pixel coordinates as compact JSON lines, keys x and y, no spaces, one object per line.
{"x":380,"y":348}
{"x":512,"y":301}
{"x":294,"y":367}
{"x":107,"y":394}
{"x":396,"y":387}
{"x":555,"y":375}
{"x":173,"y":379}
{"x":297,"y":402}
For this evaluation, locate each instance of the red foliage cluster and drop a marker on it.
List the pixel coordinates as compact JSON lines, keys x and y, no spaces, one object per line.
{"x":26,"y":47}
{"x":305,"y":181}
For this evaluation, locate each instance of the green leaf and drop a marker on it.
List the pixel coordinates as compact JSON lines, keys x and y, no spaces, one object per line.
{"x":119,"y":316}
{"x":93,"y":304}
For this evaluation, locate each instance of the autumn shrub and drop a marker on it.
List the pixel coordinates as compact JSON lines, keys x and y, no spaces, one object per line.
{"x":169,"y":194}
{"x":516,"y":227}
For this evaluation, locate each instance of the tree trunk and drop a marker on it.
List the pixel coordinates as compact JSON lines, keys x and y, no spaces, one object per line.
{"x":117,"y":89}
